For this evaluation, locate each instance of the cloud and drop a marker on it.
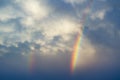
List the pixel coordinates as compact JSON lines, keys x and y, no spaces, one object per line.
{"x":57,"y":32}
{"x":37,"y":9}
{"x":7,"y":28}
{"x":3,"y":51}
{"x":60,"y":26}
{"x":52,"y":32}
{"x":75,"y":1}
{"x":8,"y":12}
{"x":36,"y":24}
{"x":25,"y":13}
{"x":99,"y":14}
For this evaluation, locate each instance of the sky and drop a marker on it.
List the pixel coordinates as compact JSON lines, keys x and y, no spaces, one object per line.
{"x":37,"y":38}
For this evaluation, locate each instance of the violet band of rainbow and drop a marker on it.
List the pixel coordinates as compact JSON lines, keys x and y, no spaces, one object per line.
{"x":78,"y":39}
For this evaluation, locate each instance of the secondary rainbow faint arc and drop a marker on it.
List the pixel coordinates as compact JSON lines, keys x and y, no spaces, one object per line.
{"x":78,"y":39}
{"x":32,"y":61}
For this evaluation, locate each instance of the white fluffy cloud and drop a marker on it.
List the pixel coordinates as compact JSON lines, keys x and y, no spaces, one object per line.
{"x":35,"y":18}
{"x":39,"y":26}
{"x":60,"y":26}
{"x":27,"y":12}
{"x":64,"y":28}
{"x":37,"y":9}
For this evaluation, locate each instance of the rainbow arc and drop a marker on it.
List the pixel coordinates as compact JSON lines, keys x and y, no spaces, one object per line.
{"x":78,"y":39}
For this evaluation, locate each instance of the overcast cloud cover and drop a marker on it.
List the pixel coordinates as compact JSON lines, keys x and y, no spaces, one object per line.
{"x":46,"y":30}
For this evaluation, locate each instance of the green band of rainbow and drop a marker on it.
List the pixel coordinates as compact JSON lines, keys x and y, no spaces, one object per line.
{"x":75,"y":52}
{"x":77,"y":44}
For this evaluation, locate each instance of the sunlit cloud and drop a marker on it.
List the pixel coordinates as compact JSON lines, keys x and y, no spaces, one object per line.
{"x":40,"y":25}
{"x":36,"y":9}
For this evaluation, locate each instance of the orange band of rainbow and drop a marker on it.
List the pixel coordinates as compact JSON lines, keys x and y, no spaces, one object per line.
{"x":76,"y":46}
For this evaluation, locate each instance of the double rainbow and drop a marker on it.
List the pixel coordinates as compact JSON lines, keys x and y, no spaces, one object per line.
{"x":77,"y":44}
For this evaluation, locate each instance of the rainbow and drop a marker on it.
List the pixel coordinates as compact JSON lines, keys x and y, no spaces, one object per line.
{"x":31,"y":61}
{"x":75,"y":52}
{"x":78,"y":40}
